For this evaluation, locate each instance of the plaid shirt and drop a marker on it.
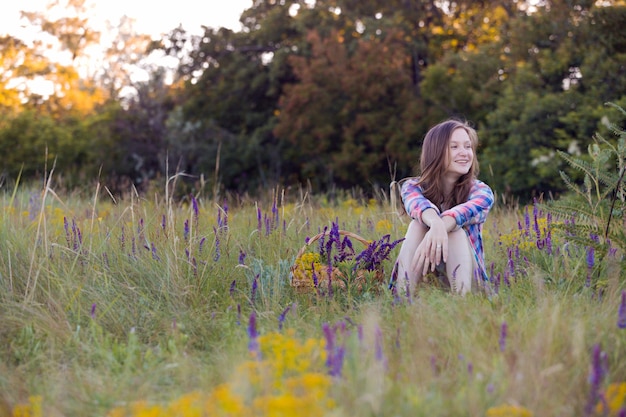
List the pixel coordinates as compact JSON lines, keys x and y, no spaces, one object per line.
{"x":469,"y":215}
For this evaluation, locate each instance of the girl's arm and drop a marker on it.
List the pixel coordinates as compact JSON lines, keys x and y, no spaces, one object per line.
{"x":414,"y":201}
{"x":476,"y":208}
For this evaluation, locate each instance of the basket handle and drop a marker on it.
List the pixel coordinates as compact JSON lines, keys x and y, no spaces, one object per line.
{"x":364,"y":241}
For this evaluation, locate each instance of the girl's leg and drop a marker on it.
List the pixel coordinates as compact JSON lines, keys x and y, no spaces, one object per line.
{"x":414,"y":236}
{"x":461,"y":263}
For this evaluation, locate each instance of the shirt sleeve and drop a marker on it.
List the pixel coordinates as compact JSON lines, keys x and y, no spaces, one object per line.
{"x":414,"y":201}
{"x":476,"y":208}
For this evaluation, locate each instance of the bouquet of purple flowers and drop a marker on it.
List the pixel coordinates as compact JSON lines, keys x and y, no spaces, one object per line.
{"x":334,"y":263}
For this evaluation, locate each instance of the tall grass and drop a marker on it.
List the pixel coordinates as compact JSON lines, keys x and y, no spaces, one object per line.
{"x":149,"y":306}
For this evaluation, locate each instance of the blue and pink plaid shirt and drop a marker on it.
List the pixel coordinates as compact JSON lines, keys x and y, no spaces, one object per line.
{"x":469,"y":215}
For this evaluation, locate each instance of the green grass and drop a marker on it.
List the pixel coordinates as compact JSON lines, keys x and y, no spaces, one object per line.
{"x":108,"y":302}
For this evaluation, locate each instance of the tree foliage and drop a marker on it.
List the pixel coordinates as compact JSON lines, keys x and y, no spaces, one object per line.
{"x":332,"y":93}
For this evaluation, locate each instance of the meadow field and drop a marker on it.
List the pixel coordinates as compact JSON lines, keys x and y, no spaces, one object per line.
{"x":150,"y":305}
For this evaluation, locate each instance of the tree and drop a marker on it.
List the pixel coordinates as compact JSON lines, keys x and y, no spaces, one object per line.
{"x":348,"y":116}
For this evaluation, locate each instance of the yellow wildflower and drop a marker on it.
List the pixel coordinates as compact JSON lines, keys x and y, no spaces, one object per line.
{"x":383,"y":226}
{"x":615,"y":400}
{"x":31,"y":409}
{"x":507,"y":410}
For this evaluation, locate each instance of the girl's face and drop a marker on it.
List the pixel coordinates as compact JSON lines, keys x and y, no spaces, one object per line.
{"x":460,"y":154}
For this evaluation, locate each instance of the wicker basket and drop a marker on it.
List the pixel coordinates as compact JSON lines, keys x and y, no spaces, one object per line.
{"x":301,"y":277}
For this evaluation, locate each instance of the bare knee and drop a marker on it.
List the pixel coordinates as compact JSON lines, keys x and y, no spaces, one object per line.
{"x":461,"y":263}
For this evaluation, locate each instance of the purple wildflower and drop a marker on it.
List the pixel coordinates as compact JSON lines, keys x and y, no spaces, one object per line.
{"x":253,"y":342}
{"x":122,"y":238}
{"x":163,"y":222}
{"x":526,"y":222}
{"x":233,"y":284}
{"x":597,"y":373}
{"x":93,"y":311}
{"x":394,"y":277}
{"x":255,"y":284}
{"x":238,"y":314}
{"x":590,"y":263}
{"x":502,"y":340}
{"x":140,"y":229}
{"x":549,"y":241}
{"x":258,"y":218}
{"x":281,"y":317}
{"x":322,"y":247}
{"x":67,"y":232}
{"x":274,"y":214}
{"x":201,"y":244}
{"x":510,"y":262}
{"x":186,"y":230}
{"x":242,"y":257}
{"x":194,"y":206}
{"x":334,"y":353}
{"x":217,"y":255}
{"x":154,"y":252}
{"x":621,"y":313}
{"x":536,"y":221}
{"x":314,"y":275}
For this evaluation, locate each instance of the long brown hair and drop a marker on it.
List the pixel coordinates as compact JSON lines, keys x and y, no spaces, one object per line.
{"x":432,"y":165}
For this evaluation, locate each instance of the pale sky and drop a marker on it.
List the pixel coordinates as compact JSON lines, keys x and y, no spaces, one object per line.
{"x":154,"y":17}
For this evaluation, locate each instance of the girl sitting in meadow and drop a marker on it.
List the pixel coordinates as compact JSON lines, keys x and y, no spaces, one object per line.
{"x":448,"y":206}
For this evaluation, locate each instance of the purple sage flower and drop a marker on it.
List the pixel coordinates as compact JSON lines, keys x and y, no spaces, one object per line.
{"x":502,"y":340}
{"x":253,"y":342}
{"x":281,"y":317}
{"x":196,"y":211}
{"x":242,"y":257}
{"x":314,"y":275}
{"x":154,"y":252}
{"x":186,"y":230}
{"x":590,"y":263}
{"x":255,"y":284}
{"x":217,"y":255}
{"x":334,"y":353}
{"x":93,"y":311}
{"x":597,"y":373}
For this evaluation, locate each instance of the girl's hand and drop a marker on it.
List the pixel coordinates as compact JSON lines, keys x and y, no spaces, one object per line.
{"x":431,"y":251}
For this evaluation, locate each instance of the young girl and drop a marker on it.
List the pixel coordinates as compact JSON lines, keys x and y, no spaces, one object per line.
{"x":448,"y":206}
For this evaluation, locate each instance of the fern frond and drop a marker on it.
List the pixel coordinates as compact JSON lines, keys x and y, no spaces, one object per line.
{"x":571,"y":185}
{"x":571,"y":208}
{"x":577,"y":163}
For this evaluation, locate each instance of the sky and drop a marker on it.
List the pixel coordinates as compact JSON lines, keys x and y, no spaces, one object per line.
{"x":154,"y":18}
